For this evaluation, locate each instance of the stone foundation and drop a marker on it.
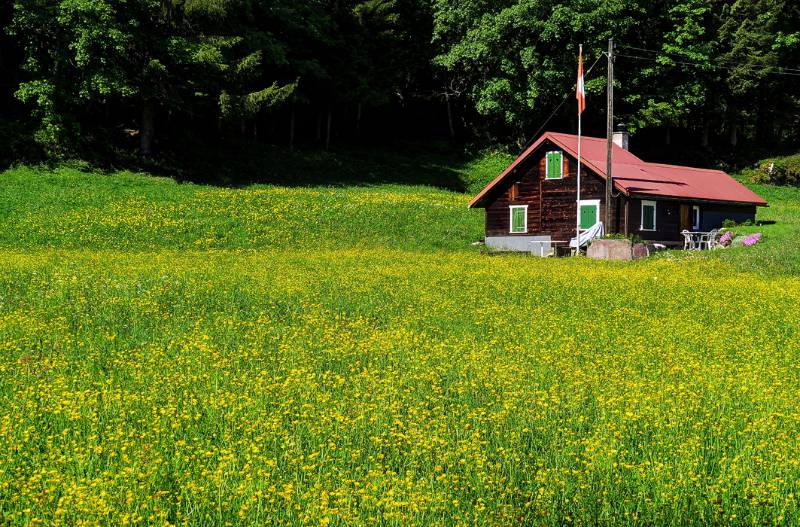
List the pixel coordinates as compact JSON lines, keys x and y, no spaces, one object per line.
{"x":616,"y":250}
{"x":536,"y":245}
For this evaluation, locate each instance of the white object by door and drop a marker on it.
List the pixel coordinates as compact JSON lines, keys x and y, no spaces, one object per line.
{"x":696,"y":217}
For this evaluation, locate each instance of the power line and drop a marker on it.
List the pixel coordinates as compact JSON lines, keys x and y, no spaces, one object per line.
{"x":662,"y":52}
{"x":708,"y":66}
{"x":730,"y":63}
{"x":726,"y":64}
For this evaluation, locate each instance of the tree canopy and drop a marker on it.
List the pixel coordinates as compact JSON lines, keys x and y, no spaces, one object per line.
{"x":146,"y":74}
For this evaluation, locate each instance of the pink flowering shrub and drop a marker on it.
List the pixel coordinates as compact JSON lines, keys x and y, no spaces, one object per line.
{"x":752,"y":239}
{"x":726,"y":238}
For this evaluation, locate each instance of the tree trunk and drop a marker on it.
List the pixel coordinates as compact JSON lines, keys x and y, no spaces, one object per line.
{"x":242,"y":128}
{"x":704,"y":136}
{"x":358,"y":120}
{"x":319,"y":127}
{"x":255,"y":131}
{"x":764,"y":128}
{"x":522,"y":140}
{"x":450,"y":117}
{"x":668,"y":137}
{"x":328,"y":130}
{"x":734,"y":134}
{"x":148,"y":128}
{"x":291,"y":131}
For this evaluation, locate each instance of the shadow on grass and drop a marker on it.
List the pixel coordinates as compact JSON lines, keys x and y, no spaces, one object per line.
{"x":246,"y":164}
{"x":240,"y":165}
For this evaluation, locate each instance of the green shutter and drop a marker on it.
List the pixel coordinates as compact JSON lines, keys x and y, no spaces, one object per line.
{"x":588,"y":216}
{"x":648,"y":217}
{"x":518,"y":219}
{"x":553,"y":165}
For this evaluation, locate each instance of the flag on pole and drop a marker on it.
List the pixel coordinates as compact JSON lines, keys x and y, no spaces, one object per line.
{"x":580,"y":94}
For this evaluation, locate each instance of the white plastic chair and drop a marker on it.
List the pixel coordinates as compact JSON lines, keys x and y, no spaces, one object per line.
{"x":709,"y":239}
{"x":688,"y":240}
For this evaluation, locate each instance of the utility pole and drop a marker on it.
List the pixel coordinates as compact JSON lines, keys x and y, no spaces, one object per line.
{"x":609,"y":132}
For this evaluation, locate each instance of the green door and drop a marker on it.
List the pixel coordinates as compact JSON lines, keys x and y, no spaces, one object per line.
{"x":588,"y":216}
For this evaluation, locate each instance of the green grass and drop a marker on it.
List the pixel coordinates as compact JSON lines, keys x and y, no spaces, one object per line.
{"x":780,"y":253}
{"x":69,"y":208}
{"x":307,"y":354}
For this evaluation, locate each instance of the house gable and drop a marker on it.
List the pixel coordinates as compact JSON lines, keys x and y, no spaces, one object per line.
{"x":547,"y":142}
{"x":550,"y":201}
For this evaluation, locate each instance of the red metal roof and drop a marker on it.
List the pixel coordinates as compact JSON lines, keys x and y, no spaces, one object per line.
{"x":634,"y":176}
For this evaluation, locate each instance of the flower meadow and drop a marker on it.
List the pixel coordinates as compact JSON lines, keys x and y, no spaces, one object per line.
{"x":373,"y":384}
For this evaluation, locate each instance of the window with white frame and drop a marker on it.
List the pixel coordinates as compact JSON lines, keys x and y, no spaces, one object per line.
{"x":648,"y":216}
{"x":518,"y":219}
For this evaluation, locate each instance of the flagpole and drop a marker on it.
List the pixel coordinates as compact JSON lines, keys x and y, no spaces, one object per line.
{"x":578,"y":202}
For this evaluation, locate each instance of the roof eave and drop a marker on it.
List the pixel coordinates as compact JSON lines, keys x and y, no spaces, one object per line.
{"x":702,"y":200}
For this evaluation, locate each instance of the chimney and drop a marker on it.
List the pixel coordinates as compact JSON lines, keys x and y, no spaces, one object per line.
{"x":621,"y":137}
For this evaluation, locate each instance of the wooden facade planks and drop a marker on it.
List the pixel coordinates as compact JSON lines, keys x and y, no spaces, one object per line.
{"x":551,"y":203}
{"x":667,"y":220}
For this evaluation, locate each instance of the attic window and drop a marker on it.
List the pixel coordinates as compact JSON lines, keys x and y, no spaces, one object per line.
{"x":554,"y":168}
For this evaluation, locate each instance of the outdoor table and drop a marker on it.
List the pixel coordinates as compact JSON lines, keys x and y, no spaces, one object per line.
{"x":556,"y":243}
{"x":542,"y":243}
{"x":696,"y":239}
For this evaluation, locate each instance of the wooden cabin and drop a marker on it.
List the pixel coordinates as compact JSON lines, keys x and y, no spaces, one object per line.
{"x":534,"y":199}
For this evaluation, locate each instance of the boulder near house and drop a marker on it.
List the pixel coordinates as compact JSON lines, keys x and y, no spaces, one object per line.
{"x":534,"y":199}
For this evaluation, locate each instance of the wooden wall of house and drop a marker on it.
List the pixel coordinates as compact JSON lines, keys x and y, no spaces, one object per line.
{"x":667,"y":221}
{"x":498,"y":216}
{"x":713,"y":215}
{"x":551,"y":202}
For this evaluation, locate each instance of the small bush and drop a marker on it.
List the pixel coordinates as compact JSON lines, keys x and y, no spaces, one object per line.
{"x":778,"y":171}
{"x":752,"y":239}
{"x":17,"y":144}
{"x":726,"y":238}
{"x":633,"y":238}
{"x":730,"y":224}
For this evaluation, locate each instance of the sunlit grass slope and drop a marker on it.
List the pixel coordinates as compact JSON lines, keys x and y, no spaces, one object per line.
{"x":69,"y":208}
{"x":195,"y":355}
{"x":780,"y":252}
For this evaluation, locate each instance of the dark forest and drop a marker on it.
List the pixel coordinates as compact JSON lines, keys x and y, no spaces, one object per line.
{"x":710,"y":82}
